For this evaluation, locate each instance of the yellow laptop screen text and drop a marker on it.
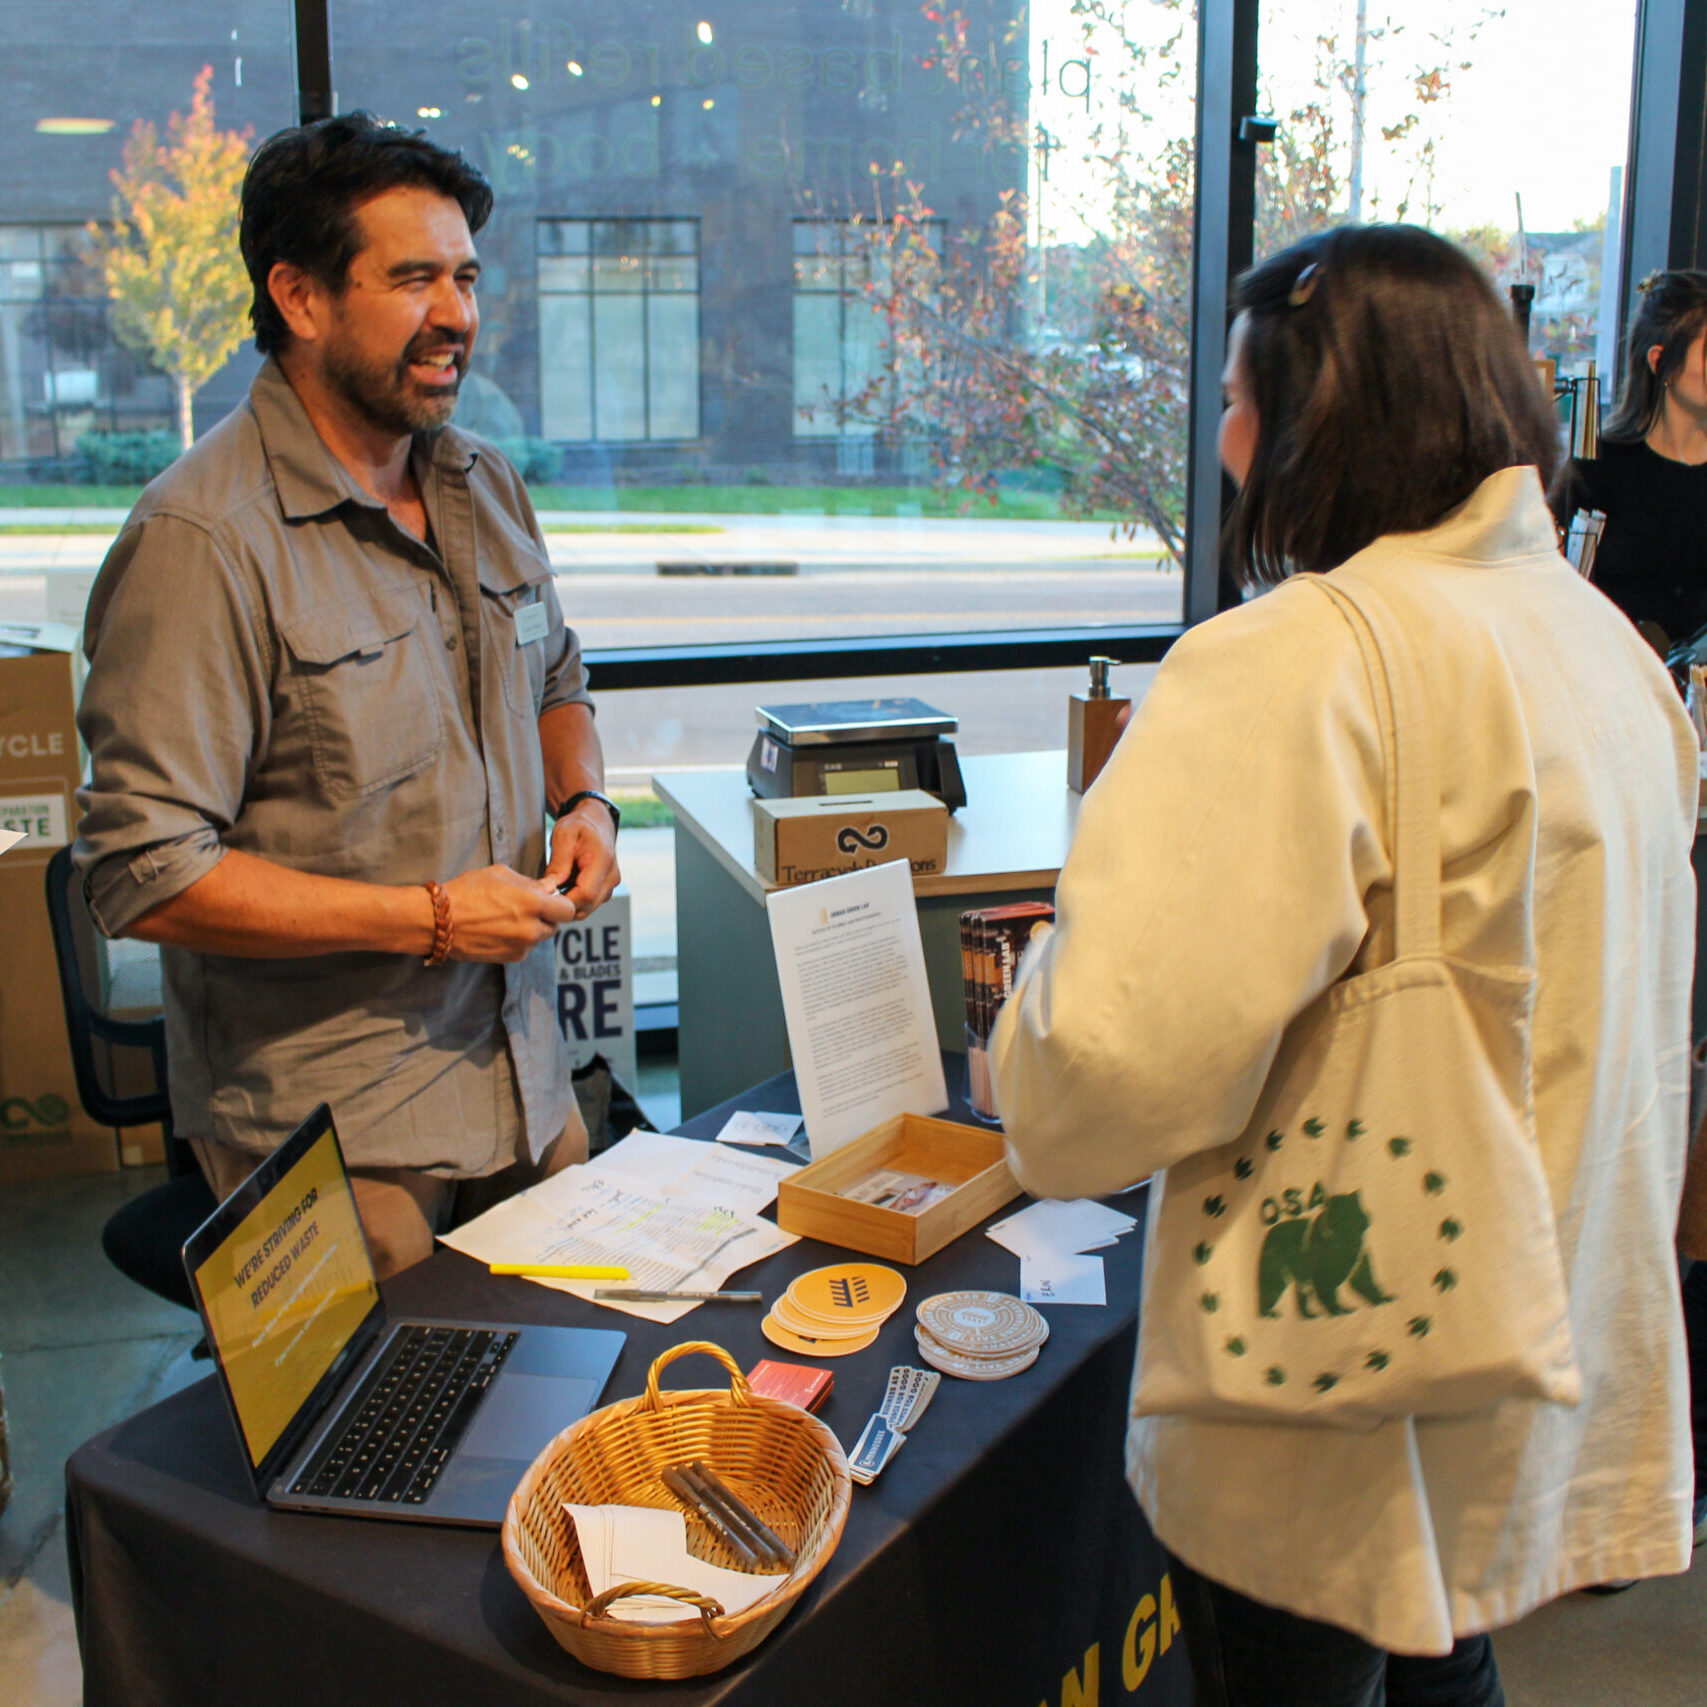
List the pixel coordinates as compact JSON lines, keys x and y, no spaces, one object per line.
{"x":285,"y":1292}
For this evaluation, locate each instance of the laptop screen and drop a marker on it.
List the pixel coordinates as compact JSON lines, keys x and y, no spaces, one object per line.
{"x":285,"y":1282}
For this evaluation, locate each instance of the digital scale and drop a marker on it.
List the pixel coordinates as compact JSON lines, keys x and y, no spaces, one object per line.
{"x":855,"y":746}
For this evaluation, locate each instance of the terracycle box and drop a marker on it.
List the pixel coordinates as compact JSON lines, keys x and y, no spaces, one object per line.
{"x":43,"y":1130}
{"x":826,"y":835}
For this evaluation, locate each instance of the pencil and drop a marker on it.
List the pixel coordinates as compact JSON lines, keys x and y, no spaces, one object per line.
{"x":560,"y":1270}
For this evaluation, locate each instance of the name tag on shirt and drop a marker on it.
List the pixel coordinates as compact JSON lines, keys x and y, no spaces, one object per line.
{"x":532,"y":623}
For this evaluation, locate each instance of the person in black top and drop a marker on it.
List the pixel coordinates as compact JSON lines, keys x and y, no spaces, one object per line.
{"x":1650,"y":479}
{"x":1650,"y":482}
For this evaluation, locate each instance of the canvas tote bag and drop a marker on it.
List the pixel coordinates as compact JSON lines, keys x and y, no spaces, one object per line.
{"x":1379,"y":1242}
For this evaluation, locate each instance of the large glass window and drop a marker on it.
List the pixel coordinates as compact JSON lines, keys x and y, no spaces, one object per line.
{"x":788,"y":273}
{"x":1503,"y":127}
{"x":62,"y":372}
{"x":619,"y":329}
{"x":80,"y":80}
{"x":852,"y":378}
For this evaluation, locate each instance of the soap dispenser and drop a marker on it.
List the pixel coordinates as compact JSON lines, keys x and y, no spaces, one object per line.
{"x":1093,"y":726}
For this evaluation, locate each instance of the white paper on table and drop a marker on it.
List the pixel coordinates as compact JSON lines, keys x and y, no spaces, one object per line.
{"x":856,"y":1001}
{"x":747,"y":1126}
{"x":624,"y":1543}
{"x":589,"y":1215}
{"x":1061,"y":1226}
{"x":10,"y":839}
{"x":689,"y":1167}
{"x":1058,"y":1277}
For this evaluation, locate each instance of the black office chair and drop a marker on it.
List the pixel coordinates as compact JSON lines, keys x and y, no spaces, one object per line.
{"x":120,"y":1066}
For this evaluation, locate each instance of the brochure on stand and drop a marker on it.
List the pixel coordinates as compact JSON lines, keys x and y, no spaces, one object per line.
{"x":856,"y":1001}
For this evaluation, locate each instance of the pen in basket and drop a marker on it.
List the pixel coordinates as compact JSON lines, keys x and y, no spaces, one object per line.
{"x":738,"y":1509}
{"x":676,"y":1480}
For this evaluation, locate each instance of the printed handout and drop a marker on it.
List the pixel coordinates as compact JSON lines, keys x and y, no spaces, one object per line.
{"x":856,"y":1001}
{"x":676,"y":1213}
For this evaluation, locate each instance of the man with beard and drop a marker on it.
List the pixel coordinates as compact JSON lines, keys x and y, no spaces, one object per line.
{"x":331,"y":700}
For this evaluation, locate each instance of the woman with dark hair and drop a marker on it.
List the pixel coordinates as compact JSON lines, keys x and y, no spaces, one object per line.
{"x":1650,"y":478}
{"x":1234,"y":864}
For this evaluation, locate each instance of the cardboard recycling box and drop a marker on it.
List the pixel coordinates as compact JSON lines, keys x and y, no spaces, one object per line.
{"x":827,"y":835}
{"x":43,"y":1130}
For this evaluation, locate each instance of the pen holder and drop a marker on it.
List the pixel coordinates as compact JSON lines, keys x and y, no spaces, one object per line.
{"x":980,"y":1097}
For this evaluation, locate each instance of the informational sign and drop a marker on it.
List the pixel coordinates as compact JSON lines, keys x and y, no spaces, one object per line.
{"x":39,"y":815}
{"x":595,"y":988}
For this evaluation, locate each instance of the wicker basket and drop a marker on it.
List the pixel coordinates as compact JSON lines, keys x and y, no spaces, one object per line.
{"x":785,"y":1464}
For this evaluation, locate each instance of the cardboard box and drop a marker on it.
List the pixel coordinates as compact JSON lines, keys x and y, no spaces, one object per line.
{"x":969,"y":1158}
{"x":43,"y":1130}
{"x":828,"y":835}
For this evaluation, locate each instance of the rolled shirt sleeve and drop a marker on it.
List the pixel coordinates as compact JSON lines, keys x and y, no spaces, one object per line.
{"x":173,"y":712}
{"x":1214,"y":888}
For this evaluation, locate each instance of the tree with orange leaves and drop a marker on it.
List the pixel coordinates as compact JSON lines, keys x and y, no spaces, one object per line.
{"x":170,"y":256}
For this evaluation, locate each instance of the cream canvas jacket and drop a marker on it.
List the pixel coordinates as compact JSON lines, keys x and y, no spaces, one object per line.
{"x":1229,"y":864}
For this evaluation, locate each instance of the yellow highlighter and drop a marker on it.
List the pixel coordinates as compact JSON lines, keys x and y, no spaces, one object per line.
{"x":559,"y":1270}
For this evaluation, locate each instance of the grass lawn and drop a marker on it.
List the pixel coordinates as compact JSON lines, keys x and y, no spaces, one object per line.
{"x":642,"y":809}
{"x":889,"y":501}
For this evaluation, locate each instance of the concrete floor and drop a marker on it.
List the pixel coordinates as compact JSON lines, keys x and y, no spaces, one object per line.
{"x":81,"y":1348}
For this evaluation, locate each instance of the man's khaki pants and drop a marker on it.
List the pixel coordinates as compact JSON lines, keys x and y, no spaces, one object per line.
{"x":401,"y":1209}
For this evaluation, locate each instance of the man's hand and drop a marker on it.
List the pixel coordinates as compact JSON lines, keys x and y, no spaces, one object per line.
{"x":583,"y":856}
{"x":497,"y":914}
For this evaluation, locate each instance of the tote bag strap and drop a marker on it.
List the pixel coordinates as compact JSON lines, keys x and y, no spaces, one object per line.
{"x":1413,"y":781}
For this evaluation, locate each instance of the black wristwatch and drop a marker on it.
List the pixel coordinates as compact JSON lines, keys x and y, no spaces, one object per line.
{"x":581,"y":794}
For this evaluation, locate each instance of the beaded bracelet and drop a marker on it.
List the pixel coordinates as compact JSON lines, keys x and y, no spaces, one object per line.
{"x":443,"y":930}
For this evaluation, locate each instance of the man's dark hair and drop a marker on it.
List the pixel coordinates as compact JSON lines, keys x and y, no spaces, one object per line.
{"x":1389,"y":381}
{"x":1671,"y":312}
{"x":304,"y":186}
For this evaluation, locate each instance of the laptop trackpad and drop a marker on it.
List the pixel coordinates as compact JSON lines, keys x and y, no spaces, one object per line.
{"x":523,"y":1412}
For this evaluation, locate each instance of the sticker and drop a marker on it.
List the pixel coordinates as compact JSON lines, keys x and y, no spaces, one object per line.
{"x":972,"y":1368}
{"x":768,"y":754}
{"x":848,"y":1292}
{"x":786,"y":1315}
{"x":779,"y":1335}
{"x":877,"y":1444}
{"x":982,"y":1324}
{"x":533,"y":622}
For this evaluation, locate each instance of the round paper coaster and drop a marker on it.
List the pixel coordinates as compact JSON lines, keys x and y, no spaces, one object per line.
{"x":972,"y":1368}
{"x":830,"y":1322}
{"x":774,"y":1331}
{"x":982,"y":1324}
{"x":787,"y":1314}
{"x":849,"y":1292}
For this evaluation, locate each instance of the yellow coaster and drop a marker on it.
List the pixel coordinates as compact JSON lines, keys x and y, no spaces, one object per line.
{"x":852,"y":1292}
{"x":779,"y":1335}
{"x":785,"y":1313}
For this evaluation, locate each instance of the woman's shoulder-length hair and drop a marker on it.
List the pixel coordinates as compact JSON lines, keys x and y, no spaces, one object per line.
{"x":1389,"y":382}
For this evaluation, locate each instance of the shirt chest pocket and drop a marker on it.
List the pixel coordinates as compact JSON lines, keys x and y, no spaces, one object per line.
{"x":365,"y":687}
{"x":519,"y":631}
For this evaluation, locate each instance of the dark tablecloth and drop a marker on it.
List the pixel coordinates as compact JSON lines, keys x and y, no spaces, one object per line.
{"x":998,"y":1560}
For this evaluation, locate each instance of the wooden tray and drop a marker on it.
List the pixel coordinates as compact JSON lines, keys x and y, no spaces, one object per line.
{"x":967,"y":1157}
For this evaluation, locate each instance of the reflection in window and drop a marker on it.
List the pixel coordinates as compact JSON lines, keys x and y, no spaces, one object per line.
{"x":62,"y":372}
{"x":847,"y":374}
{"x":619,"y":329}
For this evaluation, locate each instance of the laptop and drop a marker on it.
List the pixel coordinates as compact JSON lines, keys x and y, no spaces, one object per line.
{"x":339,"y":1409}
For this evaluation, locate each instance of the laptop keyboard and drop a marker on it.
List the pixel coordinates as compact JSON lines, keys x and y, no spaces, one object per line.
{"x":402,"y":1426}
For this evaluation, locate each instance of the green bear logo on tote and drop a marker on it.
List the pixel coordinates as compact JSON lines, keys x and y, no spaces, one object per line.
{"x":1317,"y":1255}
{"x":1323,"y":1247}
